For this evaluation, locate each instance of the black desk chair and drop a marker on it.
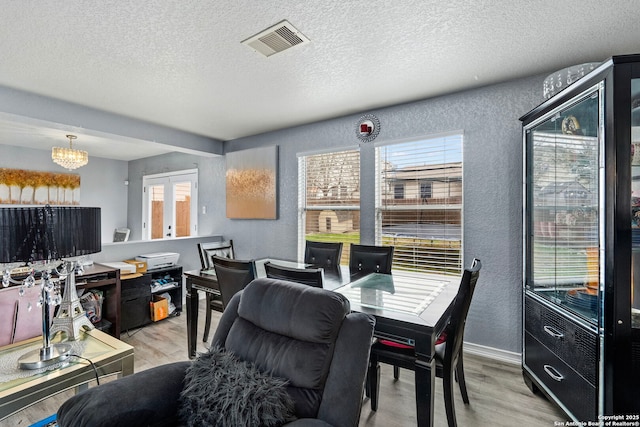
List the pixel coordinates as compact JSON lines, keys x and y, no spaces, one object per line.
{"x":233,"y":275}
{"x":214,"y":300}
{"x":365,"y":259}
{"x":448,"y":355}
{"x":323,"y":254}
{"x":307,"y":276}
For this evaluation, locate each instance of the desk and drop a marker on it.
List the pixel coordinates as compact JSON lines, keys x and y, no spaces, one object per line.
{"x":110,"y":356}
{"x":409,"y":308}
{"x":106,"y":279}
{"x":205,"y":280}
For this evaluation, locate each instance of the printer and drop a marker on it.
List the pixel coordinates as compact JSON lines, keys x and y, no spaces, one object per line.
{"x":159,"y":259}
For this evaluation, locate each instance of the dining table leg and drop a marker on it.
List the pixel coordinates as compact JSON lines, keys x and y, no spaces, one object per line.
{"x":192,"y":319}
{"x":425,"y":370}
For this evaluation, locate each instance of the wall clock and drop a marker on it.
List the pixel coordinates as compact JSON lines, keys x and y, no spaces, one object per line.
{"x":367,"y":128}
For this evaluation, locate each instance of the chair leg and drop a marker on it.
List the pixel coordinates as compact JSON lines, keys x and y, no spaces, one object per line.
{"x":396,"y":372}
{"x":207,"y":324}
{"x":461,"y":381}
{"x":373,"y":381}
{"x":449,"y":406}
{"x":367,"y":386}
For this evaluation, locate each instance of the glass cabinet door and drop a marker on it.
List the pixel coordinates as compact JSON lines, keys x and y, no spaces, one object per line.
{"x":563,"y":214}
{"x":635,"y":201}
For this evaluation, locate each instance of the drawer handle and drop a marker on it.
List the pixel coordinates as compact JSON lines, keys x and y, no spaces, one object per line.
{"x":553,"y":332}
{"x":553,"y":373}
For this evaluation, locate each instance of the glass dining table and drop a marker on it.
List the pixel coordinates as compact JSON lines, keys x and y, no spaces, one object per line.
{"x":409,"y":307}
{"x":20,"y":389}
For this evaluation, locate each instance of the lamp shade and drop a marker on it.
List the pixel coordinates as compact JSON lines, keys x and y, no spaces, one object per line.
{"x":48,"y":233}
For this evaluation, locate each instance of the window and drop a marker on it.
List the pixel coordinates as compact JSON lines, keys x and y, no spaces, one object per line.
{"x":170,"y":205}
{"x":329,"y":199}
{"x":398,"y":190}
{"x":426,"y":189}
{"x":424,"y":222}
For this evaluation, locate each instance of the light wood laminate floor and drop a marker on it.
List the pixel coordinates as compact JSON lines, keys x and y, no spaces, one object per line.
{"x":497,"y":392}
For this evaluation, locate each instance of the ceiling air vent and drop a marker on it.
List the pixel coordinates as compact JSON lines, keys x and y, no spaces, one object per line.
{"x":275,"y":39}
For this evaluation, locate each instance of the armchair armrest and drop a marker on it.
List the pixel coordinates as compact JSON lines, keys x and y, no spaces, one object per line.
{"x":147,"y":398}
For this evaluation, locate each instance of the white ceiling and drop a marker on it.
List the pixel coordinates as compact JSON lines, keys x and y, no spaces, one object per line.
{"x":181,"y":64}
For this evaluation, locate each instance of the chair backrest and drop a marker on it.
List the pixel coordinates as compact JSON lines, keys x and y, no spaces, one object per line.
{"x":459,"y":310}
{"x":323,"y":254}
{"x":309,"y":337}
{"x":306,"y":276}
{"x":121,"y":234}
{"x":233,"y":275}
{"x":365,"y":259}
{"x":209,"y":249}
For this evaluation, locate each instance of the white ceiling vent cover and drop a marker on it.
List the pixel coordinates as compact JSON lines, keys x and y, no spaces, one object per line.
{"x":275,"y":39}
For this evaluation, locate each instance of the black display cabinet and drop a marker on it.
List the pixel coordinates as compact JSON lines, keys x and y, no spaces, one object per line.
{"x":581,"y":285}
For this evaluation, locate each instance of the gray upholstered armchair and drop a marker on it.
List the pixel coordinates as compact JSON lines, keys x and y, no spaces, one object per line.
{"x":303,"y":334}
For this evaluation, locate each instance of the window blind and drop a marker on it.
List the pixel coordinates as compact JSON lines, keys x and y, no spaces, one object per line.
{"x":419,"y":203}
{"x":329,"y":199}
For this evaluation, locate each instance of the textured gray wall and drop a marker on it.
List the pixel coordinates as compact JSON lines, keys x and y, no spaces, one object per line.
{"x":492,"y":191}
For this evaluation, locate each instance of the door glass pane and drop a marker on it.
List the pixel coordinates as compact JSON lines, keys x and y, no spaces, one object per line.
{"x":563,"y":207}
{"x":156,"y":210}
{"x":635,"y":201}
{"x":182,"y":201}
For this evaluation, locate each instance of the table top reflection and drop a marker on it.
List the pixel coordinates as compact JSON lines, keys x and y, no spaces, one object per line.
{"x":402,"y":295}
{"x":397,"y":292}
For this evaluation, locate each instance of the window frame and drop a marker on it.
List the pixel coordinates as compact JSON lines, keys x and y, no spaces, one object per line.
{"x":421,"y":205}
{"x":338,"y":192}
{"x":168,"y":179}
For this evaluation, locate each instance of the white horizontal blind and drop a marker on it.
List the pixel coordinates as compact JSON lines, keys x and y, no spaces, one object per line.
{"x":419,"y":203}
{"x":329,"y":199}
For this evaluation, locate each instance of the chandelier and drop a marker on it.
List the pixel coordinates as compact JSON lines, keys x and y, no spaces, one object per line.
{"x":69,"y":158}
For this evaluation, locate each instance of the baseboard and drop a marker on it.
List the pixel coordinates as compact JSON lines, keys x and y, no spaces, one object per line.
{"x":493,"y":353}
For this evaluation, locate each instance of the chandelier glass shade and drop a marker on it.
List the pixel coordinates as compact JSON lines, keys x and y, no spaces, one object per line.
{"x":69,"y":158}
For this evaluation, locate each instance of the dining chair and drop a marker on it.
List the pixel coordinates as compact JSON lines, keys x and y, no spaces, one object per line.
{"x":214,"y":300}
{"x":448,"y":354}
{"x":233,"y":275}
{"x":365,"y":259}
{"x":209,"y":249}
{"x":323,"y":254}
{"x":307,"y":276}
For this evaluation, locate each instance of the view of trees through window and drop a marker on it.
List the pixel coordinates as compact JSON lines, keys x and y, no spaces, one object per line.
{"x":329,"y":199}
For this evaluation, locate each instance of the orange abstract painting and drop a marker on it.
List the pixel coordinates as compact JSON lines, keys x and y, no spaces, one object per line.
{"x":251,"y":183}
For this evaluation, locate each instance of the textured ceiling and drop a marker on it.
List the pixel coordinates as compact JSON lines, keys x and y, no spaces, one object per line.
{"x":181,"y":63}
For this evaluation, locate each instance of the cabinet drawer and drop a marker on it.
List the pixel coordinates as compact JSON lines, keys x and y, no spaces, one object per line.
{"x":577,"y":394}
{"x":574,"y":344}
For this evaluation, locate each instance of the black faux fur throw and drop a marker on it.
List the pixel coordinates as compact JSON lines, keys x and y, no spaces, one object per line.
{"x":221,"y":390}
